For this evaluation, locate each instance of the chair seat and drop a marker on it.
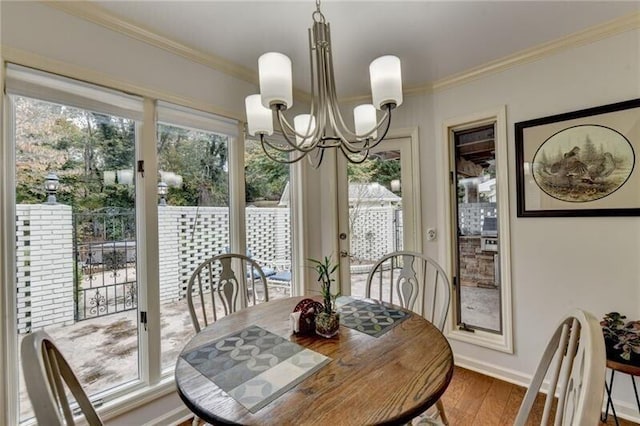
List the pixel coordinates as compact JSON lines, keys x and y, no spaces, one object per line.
{"x":266,"y":271}
{"x":280,"y":276}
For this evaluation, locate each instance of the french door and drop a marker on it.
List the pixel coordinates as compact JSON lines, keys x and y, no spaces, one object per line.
{"x":378,"y":209}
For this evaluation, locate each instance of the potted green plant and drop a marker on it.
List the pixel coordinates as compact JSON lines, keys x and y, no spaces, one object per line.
{"x":328,"y":320}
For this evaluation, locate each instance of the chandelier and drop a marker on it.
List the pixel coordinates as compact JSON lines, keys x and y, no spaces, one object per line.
{"x":323,"y":127}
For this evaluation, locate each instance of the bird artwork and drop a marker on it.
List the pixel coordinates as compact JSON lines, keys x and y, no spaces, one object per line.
{"x":583,"y":163}
{"x":601,"y":168}
{"x":570,"y":165}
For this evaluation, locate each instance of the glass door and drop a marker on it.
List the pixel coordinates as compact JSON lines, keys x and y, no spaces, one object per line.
{"x":378,"y":211}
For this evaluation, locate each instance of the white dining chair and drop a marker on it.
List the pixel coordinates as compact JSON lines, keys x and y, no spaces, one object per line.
{"x":223,"y":284}
{"x":415,"y":282}
{"x":48,"y":376}
{"x":574,"y":363}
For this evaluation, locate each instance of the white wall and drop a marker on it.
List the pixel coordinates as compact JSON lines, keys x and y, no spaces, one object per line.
{"x":557,"y":263}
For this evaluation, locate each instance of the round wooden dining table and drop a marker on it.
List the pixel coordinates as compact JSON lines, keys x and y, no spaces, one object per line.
{"x":364,"y":380}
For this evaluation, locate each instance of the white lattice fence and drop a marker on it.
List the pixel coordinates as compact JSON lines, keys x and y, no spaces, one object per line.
{"x":471,"y":216}
{"x":268,"y":234}
{"x":373,"y":232}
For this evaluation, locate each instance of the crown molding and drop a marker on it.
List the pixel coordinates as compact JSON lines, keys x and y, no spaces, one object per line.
{"x":33,"y":60}
{"x":590,"y":35}
{"x":93,"y":13}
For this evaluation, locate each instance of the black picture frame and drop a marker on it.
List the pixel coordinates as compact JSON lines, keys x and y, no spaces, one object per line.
{"x":580,"y":163}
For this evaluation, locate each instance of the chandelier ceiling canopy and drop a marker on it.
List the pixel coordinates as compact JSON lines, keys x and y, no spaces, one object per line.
{"x":324,"y":126}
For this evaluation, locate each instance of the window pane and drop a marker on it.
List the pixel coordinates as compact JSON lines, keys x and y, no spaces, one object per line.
{"x":478,"y":246}
{"x":76,"y":244}
{"x":268,"y":218}
{"x":375,"y":213}
{"x":193,"y":221}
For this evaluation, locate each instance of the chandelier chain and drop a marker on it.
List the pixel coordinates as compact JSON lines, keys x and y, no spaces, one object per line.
{"x":317,"y":14}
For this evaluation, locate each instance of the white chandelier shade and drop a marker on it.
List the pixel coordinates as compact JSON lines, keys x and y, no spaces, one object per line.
{"x":364,"y":117}
{"x":276,"y":87}
{"x":323,"y":127}
{"x":262,"y":118}
{"x":386,"y":84}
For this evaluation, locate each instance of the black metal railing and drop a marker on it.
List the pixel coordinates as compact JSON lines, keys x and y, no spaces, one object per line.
{"x":105,"y":267}
{"x":105,"y":300}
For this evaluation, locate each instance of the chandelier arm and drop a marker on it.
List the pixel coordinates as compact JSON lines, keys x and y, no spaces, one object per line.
{"x":285,"y":149}
{"x":336,"y":114}
{"x":312,"y":112}
{"x":347,"y":155}
{"x":264,"y":144}
{"x":337,"y":117}
{"x":366,"y":145}
{"x":322,"y":89}
{"x":287,"y":130}
{"x":386,"y":129}
{"x":320,"y":154}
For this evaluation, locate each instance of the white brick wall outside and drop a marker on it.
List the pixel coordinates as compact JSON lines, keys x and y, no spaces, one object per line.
{"x":187,"y":236}
{"x":44,"y":253}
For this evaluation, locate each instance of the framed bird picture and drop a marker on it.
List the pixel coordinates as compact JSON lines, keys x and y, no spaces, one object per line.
{"x":581,"y":163}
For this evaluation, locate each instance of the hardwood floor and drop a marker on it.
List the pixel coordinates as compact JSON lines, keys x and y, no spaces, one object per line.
{"x":479,"y":400}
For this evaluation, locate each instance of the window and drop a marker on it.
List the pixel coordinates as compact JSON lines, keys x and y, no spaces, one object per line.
{"x":479,"y":217}
{"x":90,"y":261}
{"x":193,"y":215}
{"x":268,"y":218}
{"x":75,"y":226}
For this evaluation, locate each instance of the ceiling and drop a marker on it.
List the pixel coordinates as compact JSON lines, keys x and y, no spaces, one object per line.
{"x":433,"y":39}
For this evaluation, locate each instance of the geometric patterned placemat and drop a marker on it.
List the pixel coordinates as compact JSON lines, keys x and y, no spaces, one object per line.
{"x":255,"y":366}
{"x":374,"y":319}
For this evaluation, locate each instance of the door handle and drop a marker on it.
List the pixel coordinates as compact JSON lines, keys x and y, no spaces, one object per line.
{"x":343,"y":253}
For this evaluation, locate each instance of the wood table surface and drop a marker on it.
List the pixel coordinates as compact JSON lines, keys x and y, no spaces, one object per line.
{"x":370,"y":380}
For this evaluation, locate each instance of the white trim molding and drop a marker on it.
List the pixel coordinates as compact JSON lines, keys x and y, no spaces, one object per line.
{"x":94,"y":13}
{"x":504,"y":341}
{"x":42,"y":63}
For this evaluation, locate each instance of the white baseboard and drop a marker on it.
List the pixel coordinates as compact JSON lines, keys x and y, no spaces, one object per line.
{"x":624,"y":410}
{"x":173,"y":417}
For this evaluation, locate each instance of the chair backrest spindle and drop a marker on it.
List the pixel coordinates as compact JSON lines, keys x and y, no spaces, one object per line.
{"x":409,"y":279}
{"x":232,"y":280}
{"x":577,"y":348}
{"x":47,"y":376}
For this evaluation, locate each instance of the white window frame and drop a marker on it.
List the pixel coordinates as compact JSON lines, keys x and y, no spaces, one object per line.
{"x":152,"y":383}
{"x":504,"y":341}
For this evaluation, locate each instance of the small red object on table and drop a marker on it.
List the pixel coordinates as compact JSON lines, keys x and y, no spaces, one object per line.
{"x":308,"y":309}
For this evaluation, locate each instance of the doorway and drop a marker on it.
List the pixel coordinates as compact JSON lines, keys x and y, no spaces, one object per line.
{"x":378,"y":209}
{"x":477,"y":215}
